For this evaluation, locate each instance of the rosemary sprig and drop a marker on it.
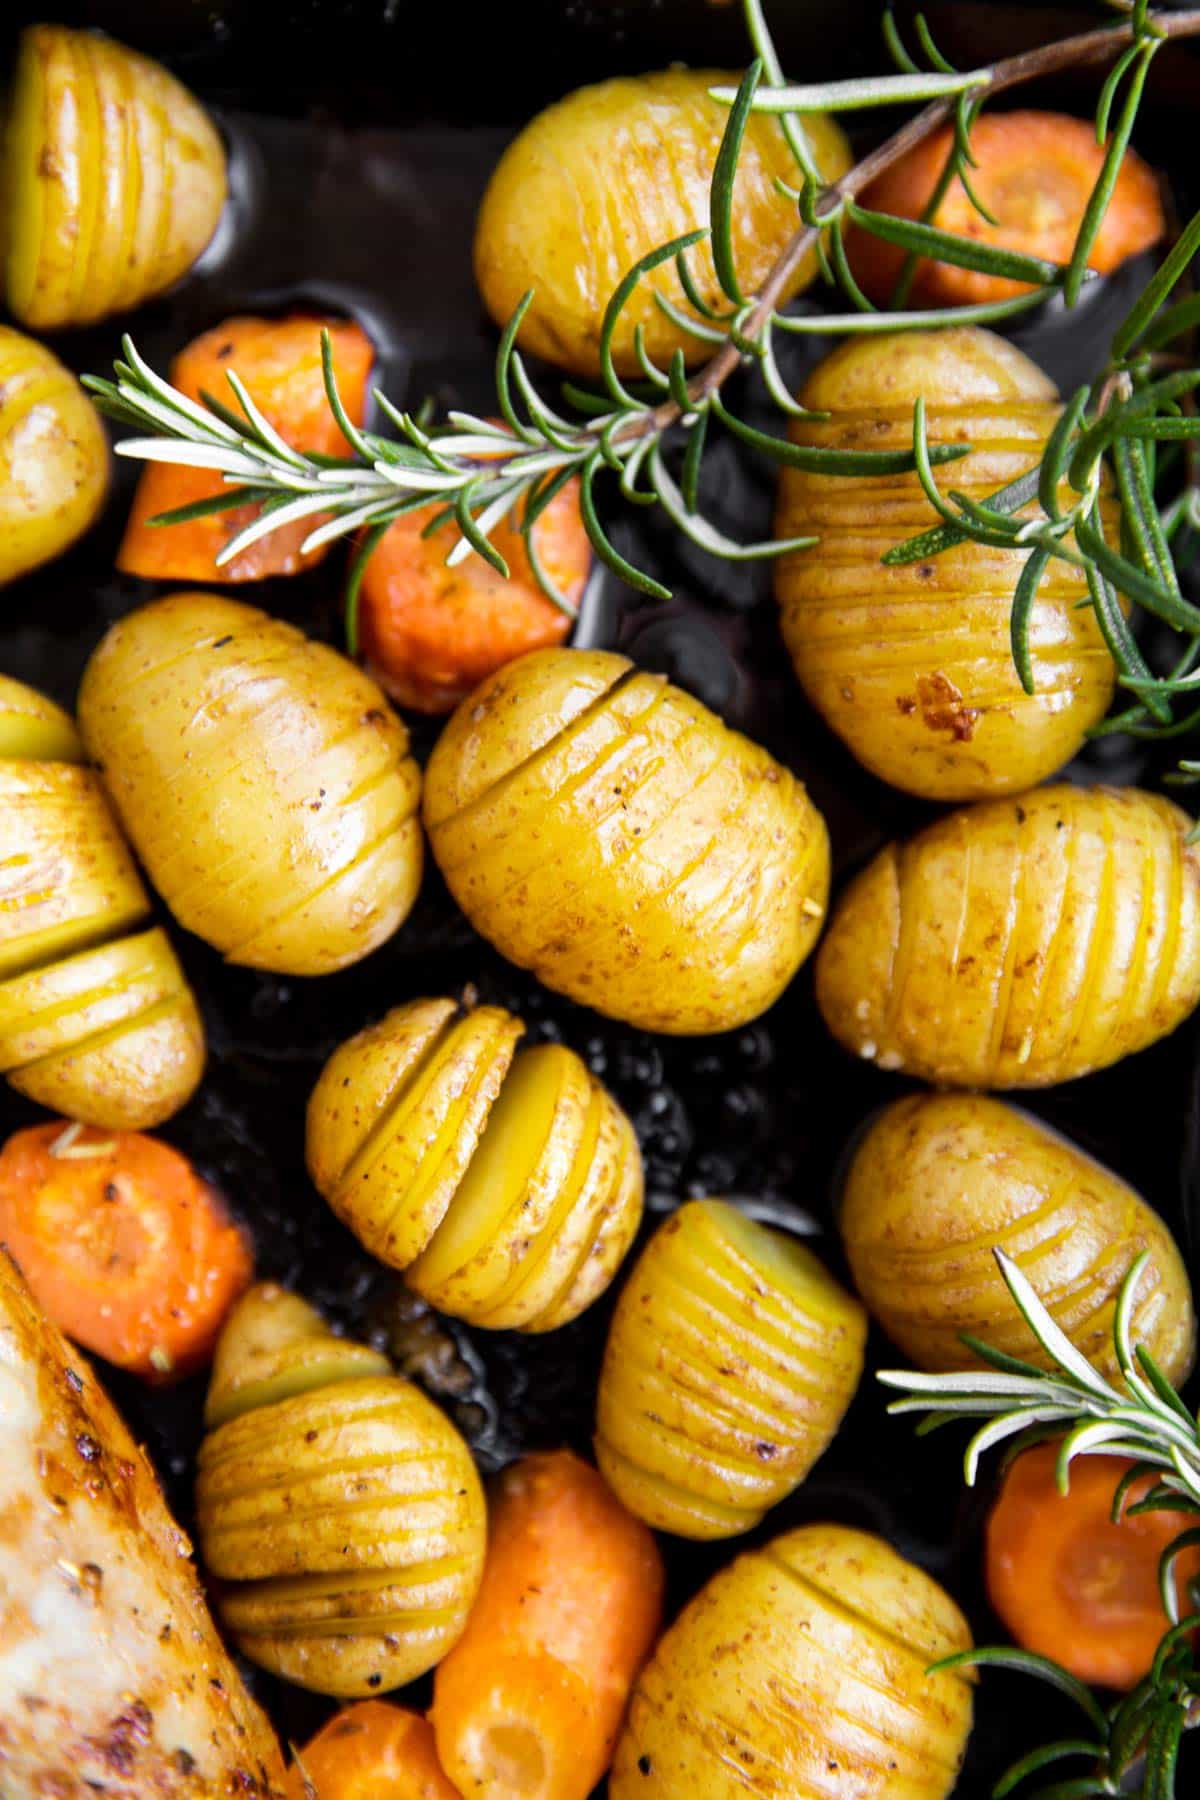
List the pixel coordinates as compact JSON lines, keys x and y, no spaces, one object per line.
{"x":1133,"y":1746}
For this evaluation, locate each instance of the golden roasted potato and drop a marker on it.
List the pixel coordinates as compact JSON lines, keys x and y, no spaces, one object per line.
{"x":263,"y":779}
{"x":96,"y":1018}
{"x":338,"y":1508}
{"x":53,"y":457}
{"x":732,"y":1357}
{"x":1018,"y":943}
{"x":802,"y":1669}
{"x":606,"y":175}
{"x":508,"y":1188}
{"x":606,"y":831}
{"x":940,"y":1181}
{"x":112,"y":179}
{"x":912,"y":666}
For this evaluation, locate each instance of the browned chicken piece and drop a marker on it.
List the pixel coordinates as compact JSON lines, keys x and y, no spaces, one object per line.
{"x":113,"y":1680}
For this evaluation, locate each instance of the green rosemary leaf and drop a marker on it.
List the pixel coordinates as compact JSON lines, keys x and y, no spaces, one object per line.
{"x":843,"y":273}
{"x":544,"y":578}
{"x":1106,"y":181}
{"x":693,"y":456}
{"x":677,"y":381}
{"x":1118,"y":636}
{"x":1129,"y":1721}
{"x":1037,"y":1760}
{"x":1000,"y":1359}
{"x":696,"y":527}
{"x":1186,"y":1540}
{"x":592,"y":405}
{"x":908,"y":267}
{"x":1027,"y":1662}
{"x":354,"y":581}
{"x":830,"y":462}
{"x":1108,"y":92}
{"x":471,"y":532}
{"x":1135,"y":1473}
{"x":1160,"y":285}
{"x":216,"y":503}
{"x":695,"y":298}
{"x":649,"y":367}
{"x":1058,"y":450}
{"x":504,"y":356}
{"x":1162,"y":1753}
{"x":793,"y":130}
{"x":925,"y":39}
{"x":342,"y":419}
{"x":773,"y":377}
{"x":947,"y":246}
{"x":632,"y":469}
{"x":988,"y":312}
{"x":616,"y":305}
{"x":220,"y":411}
{"x":1116,"y":420}
{"x":605,"y":549}
{"x":1162,"y":1387}
{"x":1002,"y":527}
{"x":1028,"y":582}
{"x":1139,"y":511}
{"x":441,"y":516}
{"x":849,"y":96}
{"x":968,"y":187}
{"x":1080,"y":1787}
{"x":1134,"y":583}
{"x":548,"y":489}
{"x":720,"y":200}
{"x":1177,"y":320}
{"x":895,"y":44}
{"x":707,"y":334}
{"x":1172,"y":429}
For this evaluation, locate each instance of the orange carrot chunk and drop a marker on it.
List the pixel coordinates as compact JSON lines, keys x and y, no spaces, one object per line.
{"x":371,"y":1751}
{"x":124,"y":1246}
{"x":432,"y":633}
{"x":530,"y":1700}
{"x":1036,"y":173}
{"x":1068,"y":1581}
{"x":280,"y":362}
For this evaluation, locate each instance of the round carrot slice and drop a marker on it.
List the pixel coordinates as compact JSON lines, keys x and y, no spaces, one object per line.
{"x":371,"y":1751}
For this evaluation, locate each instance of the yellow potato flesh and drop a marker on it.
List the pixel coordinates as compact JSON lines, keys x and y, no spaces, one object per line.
{"x":941,"y":1181}
{"x":912,"y":665}
{"x":347,"y":1527}
{"x":606,"y":831}
{"x":508,"y":1190}
{"x":263,"y":779}
{"x":113,"y":179}
{"x":273,"y":1346}
{"x":612,"y":172}
{"x":1019,"y":943}
{"x":54,"y":463}
{"x":732,"y":1357}
{"x":801,"y":1669}
{"x":33,"y":729}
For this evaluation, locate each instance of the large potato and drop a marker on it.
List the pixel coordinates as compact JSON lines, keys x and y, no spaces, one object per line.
{"x":912,"y":666}
{"x":337,"y":1506}
{"x":53,"y":456}
{"x":608,"y":832}
{"x":508,"y":1188}
{"x":1017,"y":943}
{"x":113,"y":179}
{"x":801,"y":1669}
{"x":731,"y":1360}
{"x":608,"y":174}
{"x":941,"y":1181}
{"x":96,"y":1018}
{"x":264,"y":780}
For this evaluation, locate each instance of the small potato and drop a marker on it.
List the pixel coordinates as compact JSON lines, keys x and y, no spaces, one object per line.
{"x":113,"y":179}
{"x":263,"y":779}
{"x":731,"y":1360}
{"x":54,"y":461}
{"x":942,"y":1180}
{"x":34,"y":728}
{"x":606,"y":175}
{"x":609,"y":833}
{"x":338,"y":1508}
{"x":912,"y":666}
{"x":1018,"y":943}
{"x":801,"y":1669}
{"x":508,"y":1188}
{"x":96,"y":1018}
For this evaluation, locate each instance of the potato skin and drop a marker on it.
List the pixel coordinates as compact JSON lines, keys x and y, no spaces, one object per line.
{"x":113,"y":179}
{"x":607,"y":832}
{"x":263,"y":779}
{"x":912,"y":666}
{"x":96,"y":1018}
{"x":611,"y":172}
{"x":34,"y":728}
{"x":507,"y":1189}
{"x":344,"y":1521}
{"x":1019,"y":943}
{"x":807,"y":1653}
{"x":732,"y":1357}
{"x":942,"y":1180}
{"x":54,"y":462}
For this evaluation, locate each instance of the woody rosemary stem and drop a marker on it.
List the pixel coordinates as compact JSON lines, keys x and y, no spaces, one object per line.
{"x":1085,"y":49}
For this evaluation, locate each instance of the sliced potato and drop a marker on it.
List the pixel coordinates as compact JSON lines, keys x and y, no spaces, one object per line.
{"x":54,"y":462}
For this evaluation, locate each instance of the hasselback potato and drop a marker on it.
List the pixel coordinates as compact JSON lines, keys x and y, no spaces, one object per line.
{"x":338,"y":1508}
{"x":801,"y":1670}
{"x":1017,"y":943}
{"x":912,"y":665}
{"x":96,"y":1018}
{"x":941,"y":1181}
{"x":508,"y":1188}
{"x":608,"y":174}
{"x":263,"y":779}
{"x":113,"y":179}
{"x":606,"y":831}
{"x":53,"y":456}
{"x":732,"y":1357}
